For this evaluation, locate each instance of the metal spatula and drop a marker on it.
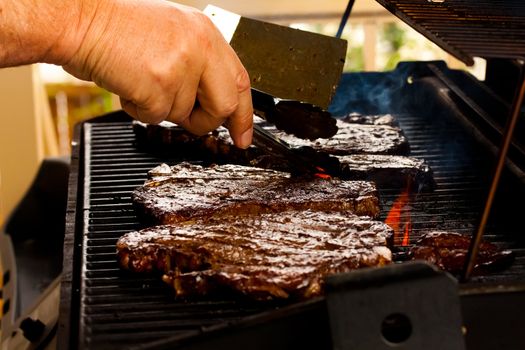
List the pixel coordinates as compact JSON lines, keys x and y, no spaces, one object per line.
{"x":301,"y":68}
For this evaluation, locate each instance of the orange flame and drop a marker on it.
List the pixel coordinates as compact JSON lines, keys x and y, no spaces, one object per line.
{"x":322,"y":176}
{"x":408,"y":229}
{"x":399,"y":220}
{"x":322,"y":173}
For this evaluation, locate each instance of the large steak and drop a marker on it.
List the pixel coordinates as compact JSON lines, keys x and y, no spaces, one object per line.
{"x":187,"y":191}
{"x":265,"y":256}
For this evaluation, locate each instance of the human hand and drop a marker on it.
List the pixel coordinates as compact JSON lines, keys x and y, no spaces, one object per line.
{"x":161,"y":57}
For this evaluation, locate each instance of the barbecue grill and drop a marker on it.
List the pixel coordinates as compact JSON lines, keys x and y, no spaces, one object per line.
{"x":453,"y":121}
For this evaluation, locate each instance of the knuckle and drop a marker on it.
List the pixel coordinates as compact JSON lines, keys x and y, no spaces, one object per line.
{"x":184,"y":58}
{"x":243,"y":80}
{"x":228,"y":108}
{"x":205,"y":22}
{"x":180,"y":114}
{"x":152,"y":111}
{"x":204,"y":32}
{"x":151,"y":116}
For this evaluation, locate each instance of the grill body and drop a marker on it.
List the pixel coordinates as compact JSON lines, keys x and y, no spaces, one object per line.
{"x":103,"y":306}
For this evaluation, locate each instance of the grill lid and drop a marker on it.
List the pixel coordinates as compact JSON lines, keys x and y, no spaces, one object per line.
{"x":467,"y":29}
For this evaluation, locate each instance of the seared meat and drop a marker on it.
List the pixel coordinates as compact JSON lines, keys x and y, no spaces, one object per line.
{"x":379,"y":119}
{"x":374,"y":135}
{"x":265,"y":256}
{"x":365,"y":135}
{"x":353,"y":138}
{"x":168,"y":138}
{"x":185,"y":192}
{"x":388,"y":171}
{"x":448,"y":251}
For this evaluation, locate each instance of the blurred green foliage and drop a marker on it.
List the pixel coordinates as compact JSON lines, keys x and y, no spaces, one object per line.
{"x":394,"y":38}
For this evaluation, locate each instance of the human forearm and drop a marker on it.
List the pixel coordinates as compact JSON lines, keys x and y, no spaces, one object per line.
{"x":40,"y":31}
{"x":159,"y":57}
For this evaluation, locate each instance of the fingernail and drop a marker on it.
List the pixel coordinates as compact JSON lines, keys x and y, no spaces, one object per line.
{"x":246,"y":139}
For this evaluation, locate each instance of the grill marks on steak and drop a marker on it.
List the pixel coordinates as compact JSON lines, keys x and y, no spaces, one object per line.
{"x":265,"y":256}
{"x":186,"y":191}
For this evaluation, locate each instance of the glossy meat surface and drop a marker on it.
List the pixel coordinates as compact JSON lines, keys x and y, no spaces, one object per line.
{"x":354,"y":138}
{"x":186,"y":191}
{"x":388,"y":171}
{"x":266,"y":256}
{"x":448,"y":250}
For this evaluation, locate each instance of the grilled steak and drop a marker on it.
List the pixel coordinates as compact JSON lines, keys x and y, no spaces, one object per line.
{"x":185,"y":191}
{"x":388,"y":171}
{"x":366,"y":134}
{"x":448,"y":251}
{"x":168,"y":138}
{"x":266,"y":256}
{"x":354,"y":138}
{"x":379,"y":119}
{"x":395,"y":171}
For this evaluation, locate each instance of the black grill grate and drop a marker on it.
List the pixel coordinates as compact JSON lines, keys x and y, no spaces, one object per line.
{"x":116,"y":307}
{"x":461,"y":170}
{"x":467,"y":29}
{"x":110,"y":307}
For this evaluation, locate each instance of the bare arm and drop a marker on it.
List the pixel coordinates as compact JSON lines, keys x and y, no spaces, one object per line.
{"x":159,"y":57}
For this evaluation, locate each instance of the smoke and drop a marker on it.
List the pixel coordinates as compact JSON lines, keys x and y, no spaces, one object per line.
{"x":371,"y":92}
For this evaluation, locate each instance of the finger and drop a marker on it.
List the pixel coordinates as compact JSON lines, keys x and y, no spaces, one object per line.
{"x":218,"y":93}
{"x":224,"y":92}
{"x":240,"y":123}
{"x":184,"y":101}
{"x":129,"y":107}
{"x":151,"y":111}
{"x":201,"y":122}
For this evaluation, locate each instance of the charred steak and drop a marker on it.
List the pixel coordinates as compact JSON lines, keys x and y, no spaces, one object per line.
{"x":354,"y":138}
{"x":263,"y":257}
{"x":356,"y":135}
{"x":171,"y":139}
{"x":448,"y":250}
{"x":186,"y":191}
